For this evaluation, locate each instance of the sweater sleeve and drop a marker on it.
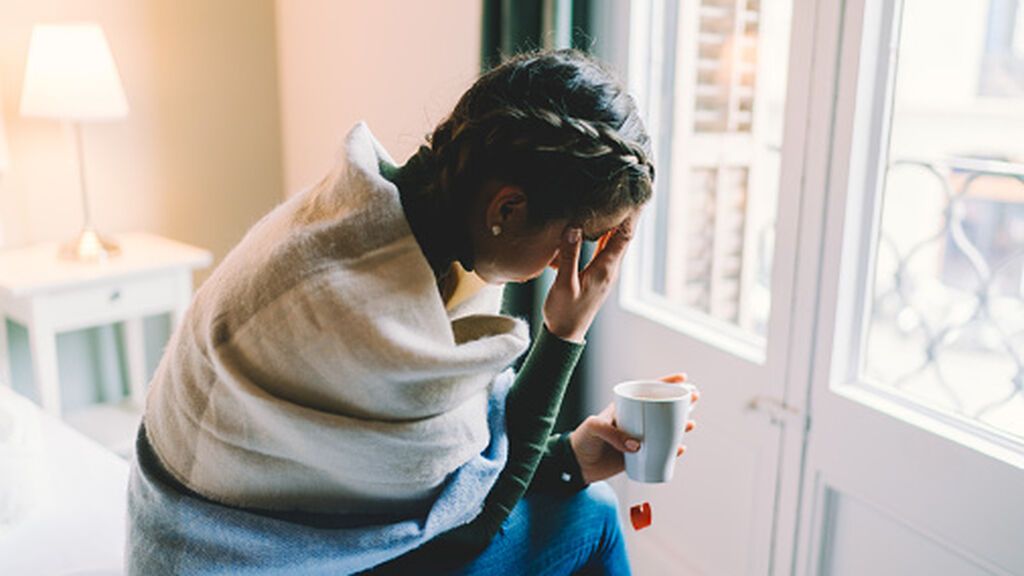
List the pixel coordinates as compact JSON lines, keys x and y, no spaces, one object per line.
{"x":559,"y":471}
{"x":530,"y":412}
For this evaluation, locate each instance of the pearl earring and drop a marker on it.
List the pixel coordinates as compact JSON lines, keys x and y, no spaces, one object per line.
{"x":496,"y":230}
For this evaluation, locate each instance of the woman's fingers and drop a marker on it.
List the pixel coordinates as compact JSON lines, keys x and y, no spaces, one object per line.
{"x":604,"y":265}
{"x":620,"y":440}
{"x":569,"y":259}
{"x":678,"y":378}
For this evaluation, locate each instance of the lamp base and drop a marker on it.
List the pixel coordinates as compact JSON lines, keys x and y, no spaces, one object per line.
{"x":90,"y":246}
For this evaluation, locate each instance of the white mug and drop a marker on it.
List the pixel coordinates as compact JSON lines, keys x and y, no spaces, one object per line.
{"x":655,"y":413}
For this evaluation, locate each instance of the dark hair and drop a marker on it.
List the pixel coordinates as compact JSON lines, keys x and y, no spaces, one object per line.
{"x":557,"y":124}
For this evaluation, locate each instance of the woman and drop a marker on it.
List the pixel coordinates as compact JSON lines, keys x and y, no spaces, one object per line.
{"x":338,"y":397}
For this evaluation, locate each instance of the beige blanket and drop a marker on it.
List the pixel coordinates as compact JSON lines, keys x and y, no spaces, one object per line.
{"x":317,"y":368}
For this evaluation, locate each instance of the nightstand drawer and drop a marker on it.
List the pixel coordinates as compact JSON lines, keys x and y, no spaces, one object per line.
{"x":111,"y":302}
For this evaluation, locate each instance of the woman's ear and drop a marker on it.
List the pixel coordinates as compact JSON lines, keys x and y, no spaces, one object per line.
{"x":507,"y":208}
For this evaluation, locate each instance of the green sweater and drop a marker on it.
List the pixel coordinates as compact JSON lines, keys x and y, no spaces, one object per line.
{"x":537,"y":459}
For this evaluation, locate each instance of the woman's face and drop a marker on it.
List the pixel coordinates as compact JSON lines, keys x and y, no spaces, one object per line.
{"x":522,"y":251}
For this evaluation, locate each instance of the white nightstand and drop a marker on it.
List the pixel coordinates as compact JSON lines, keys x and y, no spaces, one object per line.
{"x":153,"y":275}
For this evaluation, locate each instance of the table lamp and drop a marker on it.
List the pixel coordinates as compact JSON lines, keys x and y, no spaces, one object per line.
{"x":71,"y":76}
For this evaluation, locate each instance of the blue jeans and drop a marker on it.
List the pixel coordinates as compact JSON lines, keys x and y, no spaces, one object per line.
{"x":557,"y":535}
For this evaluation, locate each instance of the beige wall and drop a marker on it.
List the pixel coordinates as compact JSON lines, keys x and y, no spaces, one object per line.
{"x":400,"y":65}
{"x":199,"y":156}
{"x":234,"y":103}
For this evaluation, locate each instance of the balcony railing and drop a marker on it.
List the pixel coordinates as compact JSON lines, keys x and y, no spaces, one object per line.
{"x":947,"y":321}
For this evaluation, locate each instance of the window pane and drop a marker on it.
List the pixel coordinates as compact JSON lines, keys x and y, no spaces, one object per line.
{"x":947,"y":315}
{"x":717,"y":202}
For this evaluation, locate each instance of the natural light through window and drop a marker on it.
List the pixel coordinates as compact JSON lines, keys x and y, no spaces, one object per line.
{"x":709,"y":257}
{"x":946,"y":324}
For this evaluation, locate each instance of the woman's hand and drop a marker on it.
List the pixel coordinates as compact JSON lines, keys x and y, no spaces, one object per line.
{"x":576,"y":296}
{"x":599,"y":444}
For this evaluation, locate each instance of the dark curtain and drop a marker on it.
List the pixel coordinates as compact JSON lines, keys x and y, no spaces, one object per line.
{"x":510,"y":27}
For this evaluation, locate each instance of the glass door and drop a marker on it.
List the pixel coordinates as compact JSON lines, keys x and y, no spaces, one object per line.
{"x":915,"y":459}
{"x":708,"y":284}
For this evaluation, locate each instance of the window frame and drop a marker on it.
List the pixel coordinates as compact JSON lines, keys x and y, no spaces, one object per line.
{"x":856,"y":180}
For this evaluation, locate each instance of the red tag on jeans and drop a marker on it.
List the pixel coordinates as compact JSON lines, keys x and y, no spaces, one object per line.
{"x":640,"y":516}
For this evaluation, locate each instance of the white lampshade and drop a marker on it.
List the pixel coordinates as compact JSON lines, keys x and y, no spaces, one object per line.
{"x":71,"y":75}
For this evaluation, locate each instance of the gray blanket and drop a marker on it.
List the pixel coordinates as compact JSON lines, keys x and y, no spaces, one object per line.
{"x":172,"y":530}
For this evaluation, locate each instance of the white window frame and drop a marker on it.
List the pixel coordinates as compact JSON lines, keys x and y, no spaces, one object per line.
{"x":634,"y":295}
{"x":859,"y":185}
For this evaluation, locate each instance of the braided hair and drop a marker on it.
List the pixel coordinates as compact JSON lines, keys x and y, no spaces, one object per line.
{"x":555,"y":123}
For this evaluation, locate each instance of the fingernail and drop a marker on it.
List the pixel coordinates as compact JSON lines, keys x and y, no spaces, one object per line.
{"x":632,"y":445}
{"x":573,"y":235}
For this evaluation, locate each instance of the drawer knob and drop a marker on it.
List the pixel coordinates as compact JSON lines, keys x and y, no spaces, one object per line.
{"x":115,"y":295}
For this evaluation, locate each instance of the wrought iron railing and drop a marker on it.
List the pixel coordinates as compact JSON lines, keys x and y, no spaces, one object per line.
{"x":968,"y":317}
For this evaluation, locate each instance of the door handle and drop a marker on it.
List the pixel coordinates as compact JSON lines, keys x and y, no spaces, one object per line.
{"x":777,"y":410}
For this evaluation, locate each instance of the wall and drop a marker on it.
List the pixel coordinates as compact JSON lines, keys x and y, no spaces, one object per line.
{"x":399,"y":65}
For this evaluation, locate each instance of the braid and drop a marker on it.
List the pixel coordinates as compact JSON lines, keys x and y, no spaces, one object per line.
{"x":592,"y":139}
{"x":582,"y":138}
{"x":562,"y":129}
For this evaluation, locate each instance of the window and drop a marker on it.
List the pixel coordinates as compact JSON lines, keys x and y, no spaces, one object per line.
{"x":946,"y":321}
{"x":716,"y":114}
{"x":1002,"y":65}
